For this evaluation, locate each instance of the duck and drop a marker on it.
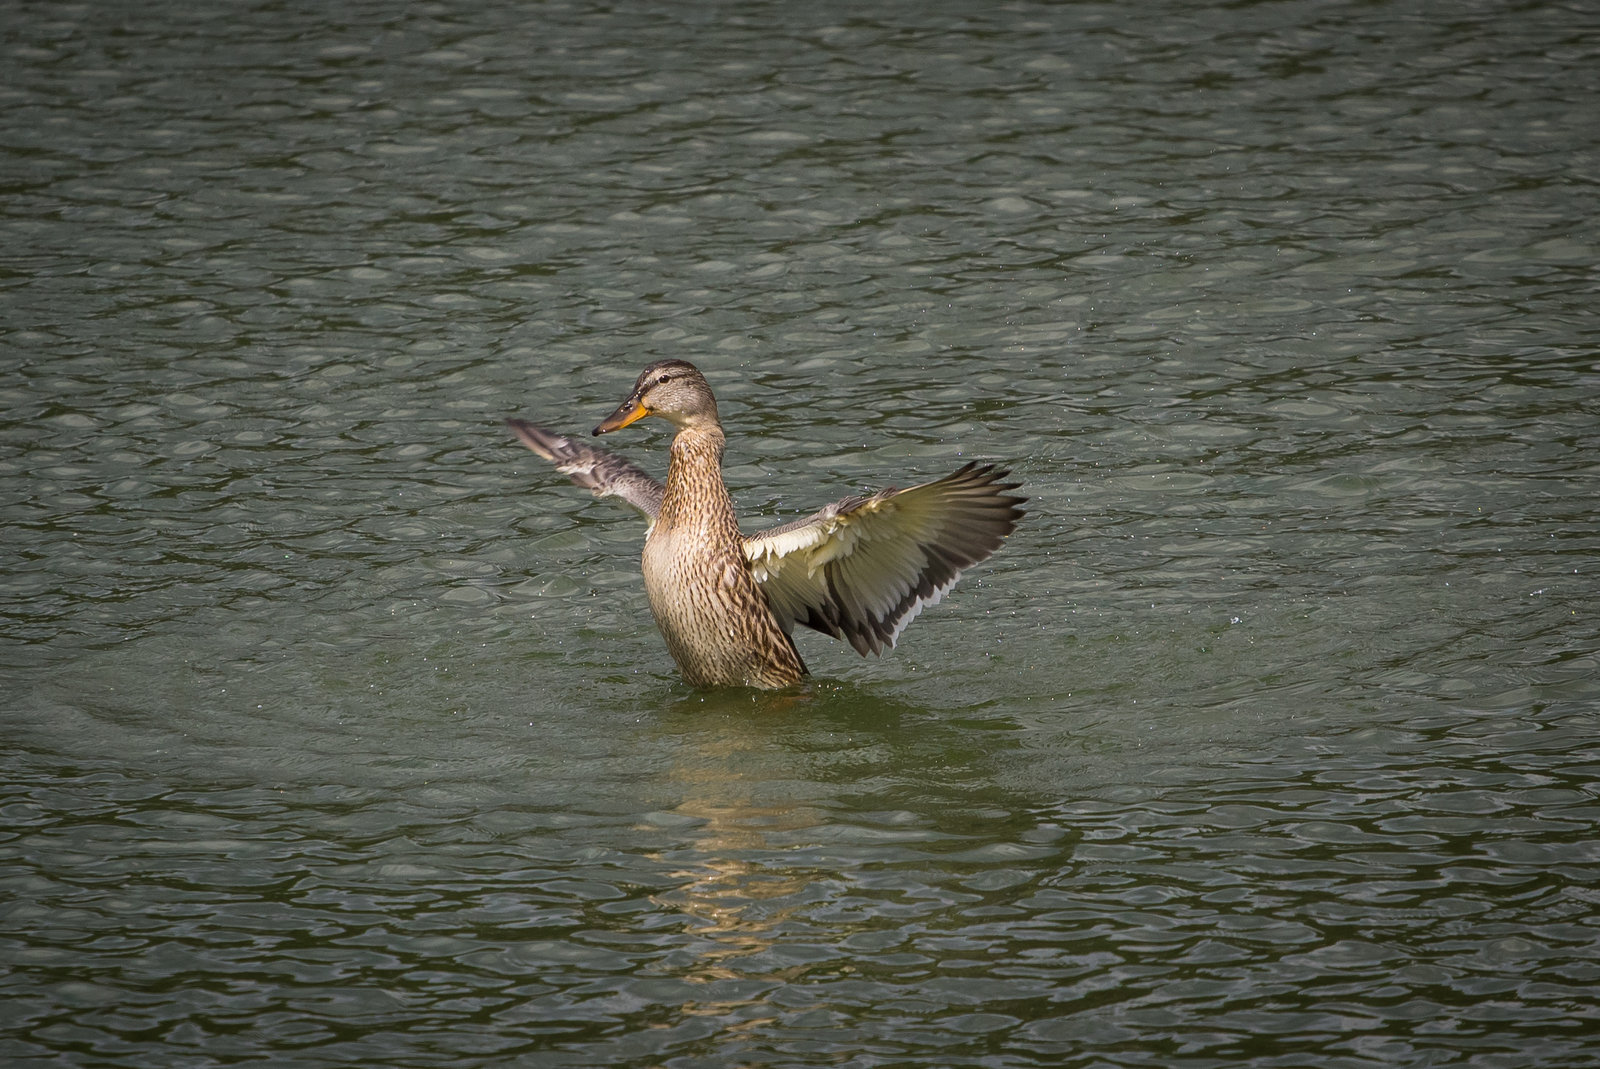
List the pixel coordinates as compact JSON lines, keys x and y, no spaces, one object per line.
{"x":726,"y":603}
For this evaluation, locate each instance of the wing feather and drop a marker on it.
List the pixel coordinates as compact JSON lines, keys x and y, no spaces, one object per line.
{"x":603,"y":473}
{"x":861,"y":569}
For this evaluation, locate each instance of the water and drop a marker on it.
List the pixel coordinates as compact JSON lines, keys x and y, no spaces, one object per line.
{"x":336,"y":731}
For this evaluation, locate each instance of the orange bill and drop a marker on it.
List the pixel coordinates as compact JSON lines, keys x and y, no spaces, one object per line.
{"x":630,"y":411}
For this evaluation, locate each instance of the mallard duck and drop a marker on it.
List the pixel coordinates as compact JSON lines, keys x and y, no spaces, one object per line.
{"x":726,"y":602}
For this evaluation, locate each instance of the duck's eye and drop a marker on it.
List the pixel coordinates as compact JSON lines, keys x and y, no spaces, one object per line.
{"x":664,"y":379}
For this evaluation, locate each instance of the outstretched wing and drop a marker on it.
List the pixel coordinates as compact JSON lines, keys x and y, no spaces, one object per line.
{"x":606,"y":474}
{"x":862,"y":568}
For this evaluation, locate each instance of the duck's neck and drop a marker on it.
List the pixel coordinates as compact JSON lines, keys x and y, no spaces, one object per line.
{"x":695,"y":496}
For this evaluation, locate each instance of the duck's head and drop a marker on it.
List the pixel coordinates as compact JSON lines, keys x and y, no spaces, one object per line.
{"x":672,"y":389}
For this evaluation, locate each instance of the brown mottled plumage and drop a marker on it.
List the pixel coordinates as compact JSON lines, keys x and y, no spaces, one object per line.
{"x":705,"y":600}
{"x":860,"y":569}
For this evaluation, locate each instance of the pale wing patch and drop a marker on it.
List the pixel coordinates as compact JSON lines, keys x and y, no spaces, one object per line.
{"x":863,"y":568}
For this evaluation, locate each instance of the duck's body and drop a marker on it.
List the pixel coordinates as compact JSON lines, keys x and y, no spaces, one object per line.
{"x":714,"y":617}
{"x":726,"y":603}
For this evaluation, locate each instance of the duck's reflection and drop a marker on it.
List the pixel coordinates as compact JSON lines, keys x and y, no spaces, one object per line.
{"x":765,"y":775}
{"x":752,"y":782}
{"x":732,"y":780}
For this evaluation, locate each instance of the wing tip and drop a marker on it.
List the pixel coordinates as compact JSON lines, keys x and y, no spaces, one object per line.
{"x":546,"y":443}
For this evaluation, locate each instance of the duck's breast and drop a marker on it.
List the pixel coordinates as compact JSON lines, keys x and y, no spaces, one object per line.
{"x":713,"y":616}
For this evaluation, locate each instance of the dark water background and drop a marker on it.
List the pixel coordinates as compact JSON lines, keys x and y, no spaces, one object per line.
{"x":335,"y":728}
